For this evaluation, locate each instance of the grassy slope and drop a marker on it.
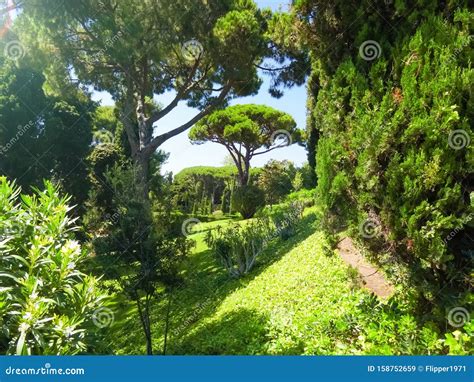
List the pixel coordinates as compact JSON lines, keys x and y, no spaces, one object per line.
{"x":283,"y":310}
{"x":297,"y":300}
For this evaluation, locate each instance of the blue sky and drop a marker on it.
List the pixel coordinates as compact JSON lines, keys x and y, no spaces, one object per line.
{"x":183,"y":154}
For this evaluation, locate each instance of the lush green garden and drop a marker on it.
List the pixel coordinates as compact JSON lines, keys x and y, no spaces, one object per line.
{"x":287,"y":305}
{"x":104,"y":252}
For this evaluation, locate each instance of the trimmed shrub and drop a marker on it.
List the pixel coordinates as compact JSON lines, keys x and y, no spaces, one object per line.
{"x":247,"y":200}
{"x":394,"y":159}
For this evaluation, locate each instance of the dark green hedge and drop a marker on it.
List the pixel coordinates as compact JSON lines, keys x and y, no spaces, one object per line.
{"x":395,"y":153}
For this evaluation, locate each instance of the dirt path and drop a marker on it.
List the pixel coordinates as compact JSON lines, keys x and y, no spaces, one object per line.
{"x":372,"y":278}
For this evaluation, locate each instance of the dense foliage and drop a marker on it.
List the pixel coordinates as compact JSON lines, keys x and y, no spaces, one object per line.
{"x":393,"y":107}
{"x":135,"y":246}
{"x":43,"y":135}
{"x":390,"y":168}
{"x":247,"y":200}
{"x":285,"y":218}
{"x":237,"y":246}
{"x":131,"y":50}
{"x":276,"y":180}
{"x":48,"y":305}
{"x":201,"y":190}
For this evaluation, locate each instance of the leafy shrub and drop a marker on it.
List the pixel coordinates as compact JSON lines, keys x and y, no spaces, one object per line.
{"x":306,"y":197}
{"x":286,"y":218}
{"x":102,"y":157}
{"x":218,"y":214}
{"x":387,"y":153}
{"x":392,"y":328}
{"x":140,"y":249}
{"x":461,"y":341}
{"x":297,"y":182}
{"x":237,"y":247}
{"x":247,"y":200}
{"x":276,"y":180}
{"x":47,"y":304}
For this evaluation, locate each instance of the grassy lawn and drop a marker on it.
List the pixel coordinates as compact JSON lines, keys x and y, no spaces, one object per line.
{"x":298,"y":299}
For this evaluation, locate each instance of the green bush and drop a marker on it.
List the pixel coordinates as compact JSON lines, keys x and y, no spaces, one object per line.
{"x":285,"y":218}
{"x":218,"y":215}
{"x":306,"y":197}
{"x":236,"y":247}
{"x":47,"y":304}
{"x":394,"y":150}
{"x":247,"y":200}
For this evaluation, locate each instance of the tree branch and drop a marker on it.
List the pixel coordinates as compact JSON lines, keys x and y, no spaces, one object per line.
{"x":188,"y":86}
{"x":160,"y":139}
{"x":272,"y":69}
{"x":270,"y":149}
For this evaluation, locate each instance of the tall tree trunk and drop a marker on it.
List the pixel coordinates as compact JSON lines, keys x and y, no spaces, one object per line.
{"x":144,"y":313}
{"x":149,"y":343}
{"x":143,"y":163}
{"x":167,"y":321}
{"x":312,"y":130}
{"x":244,"y":181}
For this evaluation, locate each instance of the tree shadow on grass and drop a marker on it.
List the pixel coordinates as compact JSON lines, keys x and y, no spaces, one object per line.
{"x":206,"y":284}
{"x":239,"y":332}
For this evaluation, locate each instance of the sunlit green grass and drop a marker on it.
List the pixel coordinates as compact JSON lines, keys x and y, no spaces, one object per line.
{"x":300,"y":298}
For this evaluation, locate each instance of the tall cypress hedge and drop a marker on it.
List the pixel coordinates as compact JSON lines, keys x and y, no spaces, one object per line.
{"x":393,"y":109}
